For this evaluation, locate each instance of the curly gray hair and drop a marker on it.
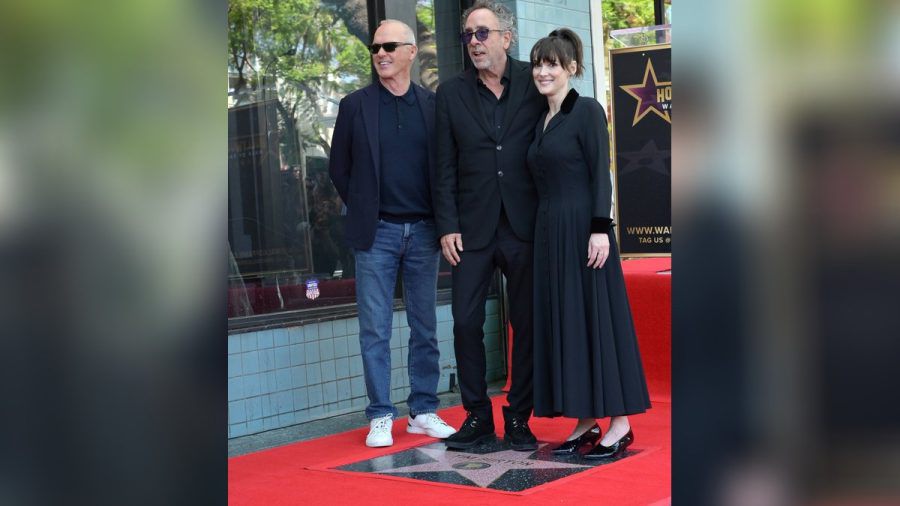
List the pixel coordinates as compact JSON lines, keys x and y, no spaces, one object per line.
{"x":506,"y":16}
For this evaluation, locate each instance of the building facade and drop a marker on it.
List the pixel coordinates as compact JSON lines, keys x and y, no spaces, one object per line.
{"x":293,"y":348}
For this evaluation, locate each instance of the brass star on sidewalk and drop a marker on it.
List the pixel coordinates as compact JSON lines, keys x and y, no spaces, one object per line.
{"x":648,"y":95}
{"x":481,"y":469}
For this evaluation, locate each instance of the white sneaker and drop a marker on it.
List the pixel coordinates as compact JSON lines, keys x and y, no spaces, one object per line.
{"x":431,"y":424}
{"x":380,"y":432}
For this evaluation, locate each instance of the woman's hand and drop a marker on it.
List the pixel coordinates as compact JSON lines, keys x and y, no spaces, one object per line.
{"x":598,"y":250}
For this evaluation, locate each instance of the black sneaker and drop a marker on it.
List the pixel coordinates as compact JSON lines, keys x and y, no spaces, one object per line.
{"x":473,"y":432}
{"x":518,"y":435}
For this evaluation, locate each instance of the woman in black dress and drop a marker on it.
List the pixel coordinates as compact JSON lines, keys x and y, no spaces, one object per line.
{"x":586,"y":360}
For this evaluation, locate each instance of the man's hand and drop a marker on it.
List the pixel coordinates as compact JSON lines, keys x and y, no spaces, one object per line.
{"x":451,"y":245}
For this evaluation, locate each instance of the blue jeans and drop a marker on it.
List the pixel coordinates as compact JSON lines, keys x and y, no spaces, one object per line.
{"x":412,"y":247}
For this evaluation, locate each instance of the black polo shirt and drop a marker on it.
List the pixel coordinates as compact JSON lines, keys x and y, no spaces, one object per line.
{"x":404,"y":195}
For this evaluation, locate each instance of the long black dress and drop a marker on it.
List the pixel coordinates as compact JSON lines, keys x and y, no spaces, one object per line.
{"x":586,"y":358}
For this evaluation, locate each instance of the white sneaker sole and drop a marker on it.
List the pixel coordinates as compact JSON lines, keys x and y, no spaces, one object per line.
{"x":412,"y":429}
{"x":379,"y":445}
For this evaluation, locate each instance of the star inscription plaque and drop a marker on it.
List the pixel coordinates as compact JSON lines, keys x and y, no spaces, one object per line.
{"x":490,"y":466}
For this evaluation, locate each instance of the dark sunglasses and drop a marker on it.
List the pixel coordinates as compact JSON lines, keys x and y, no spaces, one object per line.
{"x":481,"y":34}
{"x":389,"y":47}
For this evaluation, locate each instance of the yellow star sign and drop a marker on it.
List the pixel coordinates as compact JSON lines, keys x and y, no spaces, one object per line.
{"x":653,"y":96}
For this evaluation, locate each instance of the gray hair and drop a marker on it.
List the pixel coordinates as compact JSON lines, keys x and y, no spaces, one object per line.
{"x":506,"y":16}
{"x":410,"y":34}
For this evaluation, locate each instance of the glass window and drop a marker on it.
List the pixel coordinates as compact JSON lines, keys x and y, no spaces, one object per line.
{"x":427,"y":59}
{"x":431,"y":64}
{"x":289,"y":65}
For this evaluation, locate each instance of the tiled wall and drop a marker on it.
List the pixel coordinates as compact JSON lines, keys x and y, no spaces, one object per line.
{"x":537,"y":18}
{"x":282,"y":377}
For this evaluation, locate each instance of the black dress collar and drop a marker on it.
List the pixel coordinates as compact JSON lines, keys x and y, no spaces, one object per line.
{"x":569,"y":102}
{"x":564,"y":110}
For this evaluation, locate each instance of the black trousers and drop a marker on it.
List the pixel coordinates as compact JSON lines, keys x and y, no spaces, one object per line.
{"x":471,"y":280}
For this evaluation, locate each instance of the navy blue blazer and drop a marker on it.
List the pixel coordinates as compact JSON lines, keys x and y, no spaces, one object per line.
{"x":355,"y":159}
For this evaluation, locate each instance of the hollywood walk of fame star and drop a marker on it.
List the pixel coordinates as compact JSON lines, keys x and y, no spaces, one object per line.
{"x":650,"y":157}
{"x":645,"y":93}
{"x":481,"y":469}
{"x":490,"y":466}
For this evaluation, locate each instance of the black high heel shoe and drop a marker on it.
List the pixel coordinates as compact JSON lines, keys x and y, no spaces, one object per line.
{"x":571,"y":447}
{"x":600,"y":452}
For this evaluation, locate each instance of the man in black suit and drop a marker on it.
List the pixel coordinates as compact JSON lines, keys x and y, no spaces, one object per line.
{"x":485,"y":199}
{"x":382,"y":165}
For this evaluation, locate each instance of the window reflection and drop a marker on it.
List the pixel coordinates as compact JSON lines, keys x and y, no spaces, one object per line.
{"x":289,"y":65}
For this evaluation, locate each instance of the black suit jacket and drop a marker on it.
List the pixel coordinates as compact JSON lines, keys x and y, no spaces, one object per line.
{"x":355,"y":161}
{"x":478,"y":167}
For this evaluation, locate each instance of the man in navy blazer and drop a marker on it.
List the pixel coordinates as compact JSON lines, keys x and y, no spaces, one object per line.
{"x":382,"y":163}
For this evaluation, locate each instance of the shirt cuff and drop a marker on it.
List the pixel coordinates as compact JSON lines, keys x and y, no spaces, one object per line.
{"x":600,"y":225}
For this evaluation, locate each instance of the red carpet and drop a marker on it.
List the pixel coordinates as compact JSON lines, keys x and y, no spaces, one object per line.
{"x":284,"y":475}
{"x":294,"y":474}
{"x":650,"y":296}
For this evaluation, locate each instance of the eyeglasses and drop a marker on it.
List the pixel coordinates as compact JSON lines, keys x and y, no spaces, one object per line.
{"x":481,"y":34}
{"x":389,"y":47}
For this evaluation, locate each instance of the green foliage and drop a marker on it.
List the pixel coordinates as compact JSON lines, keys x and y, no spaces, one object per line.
{"x":427,"y":57}
{"x":293,"y":39}
{"x":354,"y":61}
{"x":618,"y":14}
{"x":425,"y":13}
{"x":626,"y":14}
{"x":298,"y":51}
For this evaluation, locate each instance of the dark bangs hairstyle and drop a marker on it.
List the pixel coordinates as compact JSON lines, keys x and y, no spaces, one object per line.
{"x":562,"y":46}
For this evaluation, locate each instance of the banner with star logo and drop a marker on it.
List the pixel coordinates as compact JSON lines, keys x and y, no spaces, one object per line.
{"x":641,"y":84}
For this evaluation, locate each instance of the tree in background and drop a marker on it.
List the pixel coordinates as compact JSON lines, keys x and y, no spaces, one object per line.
{"x":618,"y":14}
{"x":298,"y":53}
{"x":427,"y":57}
{"x":302,"y":52}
